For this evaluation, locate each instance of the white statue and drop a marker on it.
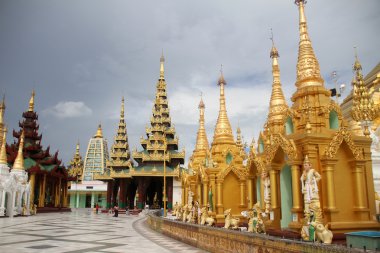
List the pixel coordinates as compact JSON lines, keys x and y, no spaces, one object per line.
{"x":266,"y":182}
{"x":309,"y":182}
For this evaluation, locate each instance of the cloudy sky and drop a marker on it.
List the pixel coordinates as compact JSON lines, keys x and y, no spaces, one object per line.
{"x":81,"y":57}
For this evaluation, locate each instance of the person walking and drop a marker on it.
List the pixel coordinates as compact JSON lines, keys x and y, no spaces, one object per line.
{"x":116,"y":211}
{"x":97,"y":208}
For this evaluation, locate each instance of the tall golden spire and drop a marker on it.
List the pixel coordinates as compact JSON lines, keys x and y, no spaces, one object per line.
{"x":308,"y":71}
{"x":99,"y":132}
{"x":202,"y":142}
{"x":3,"y":151}
{"x":31,"y":102}
{"x":162,"y":69}
{"x":223,"y":131}
{"x":19,"y":162}
{"x":277,"y":105}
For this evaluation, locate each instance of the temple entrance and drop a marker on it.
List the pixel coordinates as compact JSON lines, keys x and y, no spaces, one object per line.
{"x":88,"y":201}
{"x":154,"y":194}
{"x":286,"y":196}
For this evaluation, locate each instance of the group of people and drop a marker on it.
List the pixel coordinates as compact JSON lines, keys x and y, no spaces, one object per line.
{"x":115,"y":210}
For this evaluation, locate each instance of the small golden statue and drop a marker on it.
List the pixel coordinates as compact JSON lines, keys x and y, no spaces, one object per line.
{"x":178,"y":215}
{"x":229,"y":221}
{"x":255,"y":222}
{"x":206,"y":218}
{"x":185,"y":213}
{"x":175,"y":209}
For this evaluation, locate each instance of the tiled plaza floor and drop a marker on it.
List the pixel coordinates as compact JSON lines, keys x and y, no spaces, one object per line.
{"x":84,"y":231}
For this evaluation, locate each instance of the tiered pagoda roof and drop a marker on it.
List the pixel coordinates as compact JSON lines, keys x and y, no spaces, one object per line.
{"x":120,"y":160}
{"x":160,"y":137}
{"x":35,"y":158}
{"x":363,"y":107}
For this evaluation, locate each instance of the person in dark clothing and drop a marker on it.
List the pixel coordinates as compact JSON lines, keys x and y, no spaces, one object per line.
{"x":116,"y":211}
{"x":97,"y":208}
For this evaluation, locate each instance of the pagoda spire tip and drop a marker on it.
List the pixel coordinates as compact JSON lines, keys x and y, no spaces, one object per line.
{"x":31,"y":102}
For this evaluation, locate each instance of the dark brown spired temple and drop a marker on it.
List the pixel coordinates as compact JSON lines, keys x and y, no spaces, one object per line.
{"x":143,"y":184}
{"x":47,"y":176}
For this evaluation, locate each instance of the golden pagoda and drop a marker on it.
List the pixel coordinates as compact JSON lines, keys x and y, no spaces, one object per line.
{"x":197,"y":180}
{"x":159,"y":161}
{"x":313,"y":128}
{"x":220,"y":171}
{"x":75,"y":168}
{"x":160,"y":156}
{"x":119,"y":165}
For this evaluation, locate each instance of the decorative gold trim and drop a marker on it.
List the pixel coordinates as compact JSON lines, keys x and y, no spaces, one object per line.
{"x":333,"y":147}
{"x":278,"y":140}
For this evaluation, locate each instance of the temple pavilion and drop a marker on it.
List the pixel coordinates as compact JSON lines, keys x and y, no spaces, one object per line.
{"x":85,"y":191}
{"x":48,"y":178}
{"x":159,"y":161}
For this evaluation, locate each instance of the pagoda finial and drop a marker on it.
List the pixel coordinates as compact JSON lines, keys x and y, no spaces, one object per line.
{"x":238,"y":136}
{"x":357,"y":65}
{"x":19,"y":162}
{"x":308,"y":70}
{"x":122,"y":108}
{"x":223,"y":131}
{"x":201,"y":104}
{"x":2,"y":110}
{"x":3,"y":151}
{"x":202,"y":142}
{"x":162,"y":69}
{"x":77,"y":149}
{"x":31,"y":102}
{"x":273,"y":51}
{"x":99,"y":132}
{"x":221,"y":78}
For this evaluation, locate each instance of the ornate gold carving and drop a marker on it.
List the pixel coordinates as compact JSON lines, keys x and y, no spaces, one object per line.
{"x":241,"y":173}
{"x":333,"y":147}
{"x":278,"y":140}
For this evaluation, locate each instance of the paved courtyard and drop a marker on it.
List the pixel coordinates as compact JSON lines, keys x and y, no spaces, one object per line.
{"x":84,"y":231}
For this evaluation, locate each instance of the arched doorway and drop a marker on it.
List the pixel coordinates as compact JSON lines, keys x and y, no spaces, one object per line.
{"x":286,"y":196}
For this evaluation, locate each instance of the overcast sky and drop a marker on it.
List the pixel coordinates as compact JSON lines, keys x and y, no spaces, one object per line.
{"x":81,"y":57}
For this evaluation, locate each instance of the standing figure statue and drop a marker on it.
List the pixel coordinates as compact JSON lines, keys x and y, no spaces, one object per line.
{"x":266,"y":182}
{"x":309,"y":182}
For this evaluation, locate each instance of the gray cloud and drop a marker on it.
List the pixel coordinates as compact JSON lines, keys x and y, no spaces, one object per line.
{"x":68,"y":109}
{"x":98,"y":51}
